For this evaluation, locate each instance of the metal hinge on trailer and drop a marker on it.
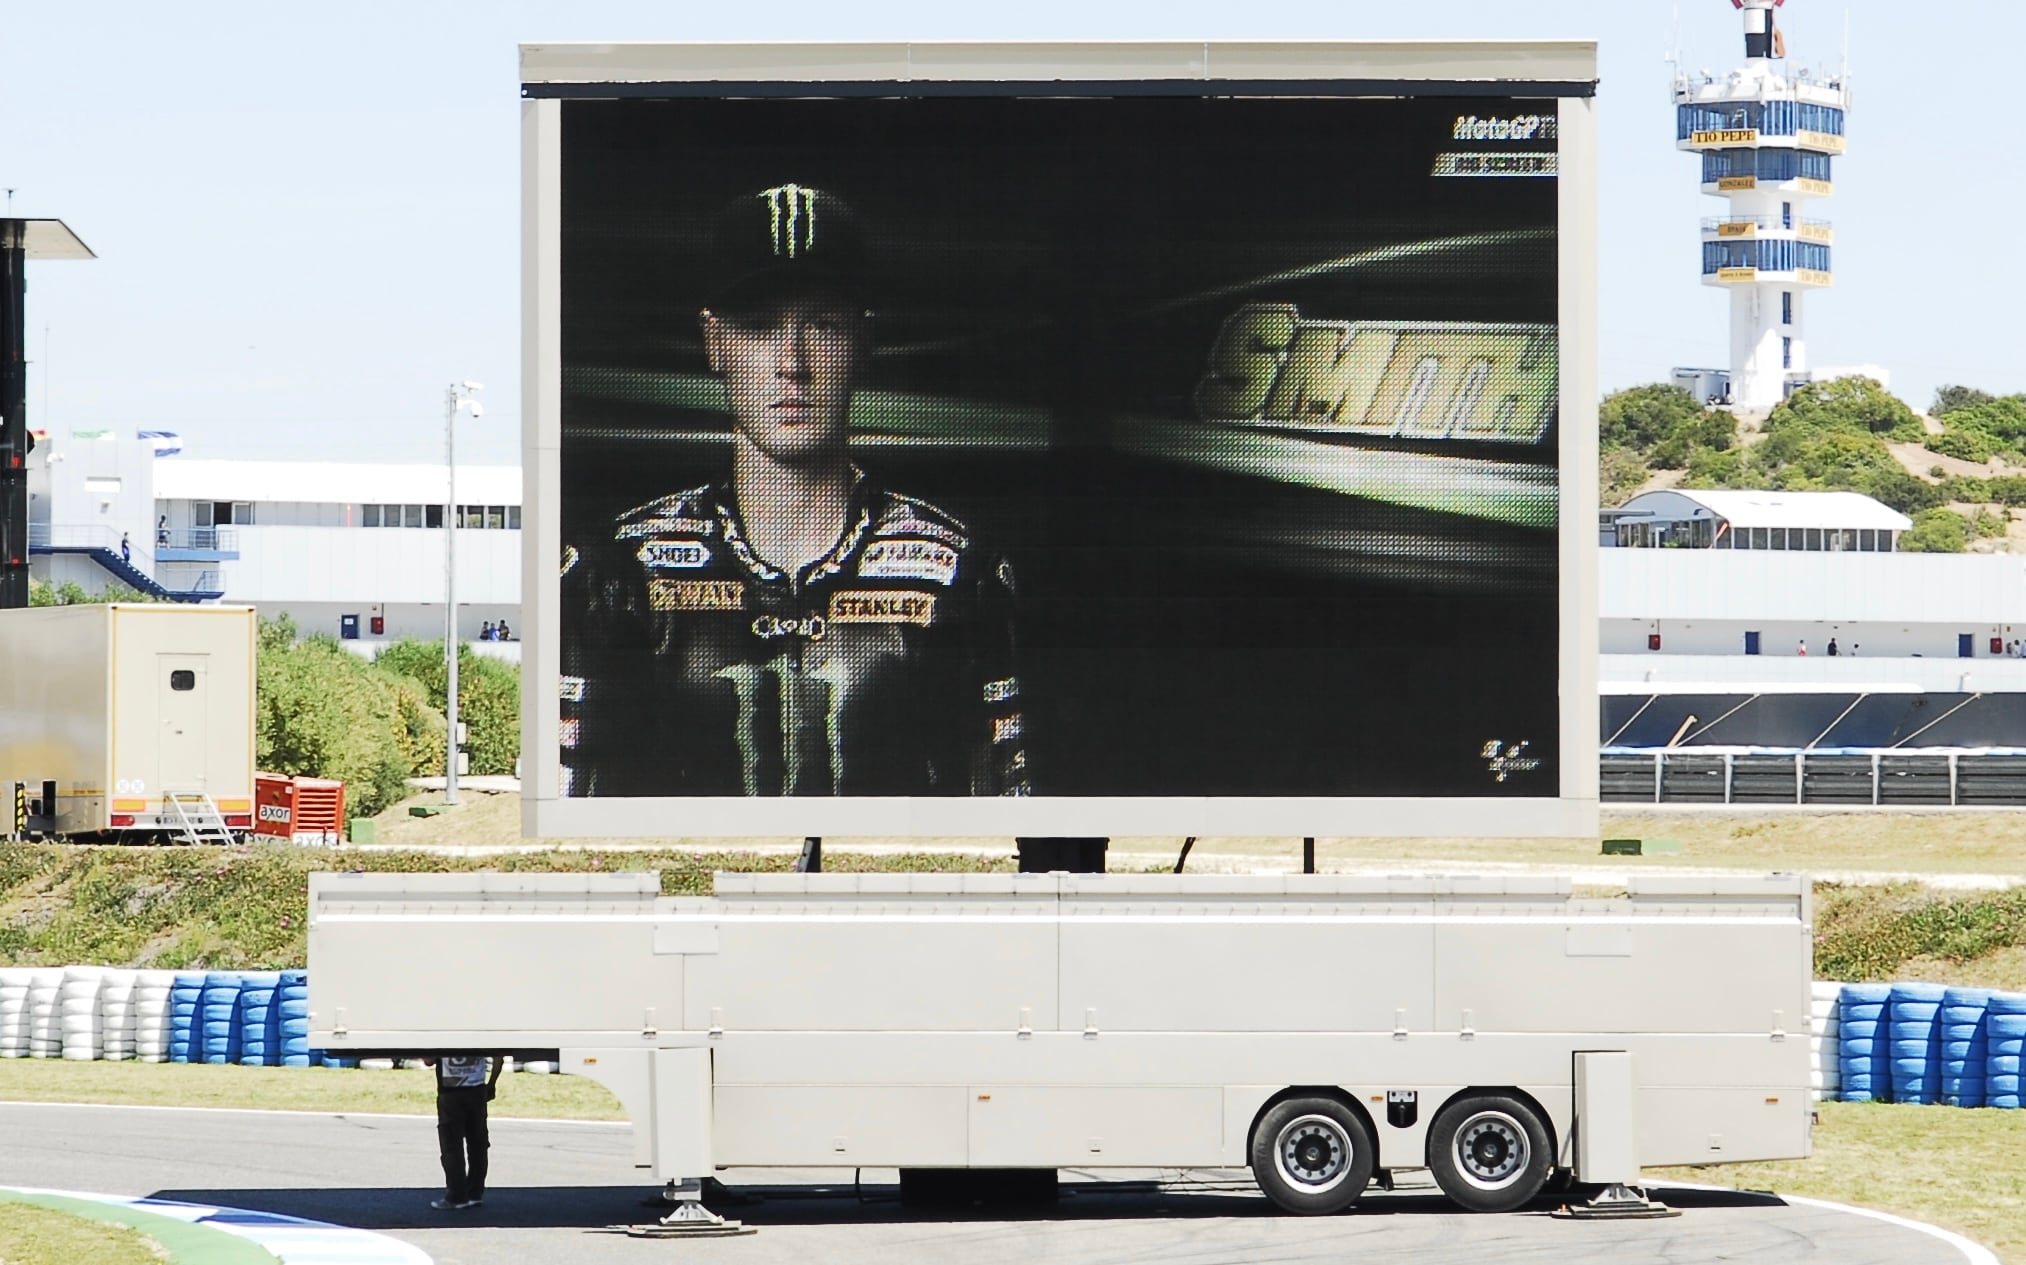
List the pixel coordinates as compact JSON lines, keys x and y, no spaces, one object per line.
{"x":197,"y":818}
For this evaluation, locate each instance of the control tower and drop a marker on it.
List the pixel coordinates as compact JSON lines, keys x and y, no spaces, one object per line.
{"x":1766,"y":137}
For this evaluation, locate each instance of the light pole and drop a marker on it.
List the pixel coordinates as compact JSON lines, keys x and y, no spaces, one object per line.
{"x":458,"y":395}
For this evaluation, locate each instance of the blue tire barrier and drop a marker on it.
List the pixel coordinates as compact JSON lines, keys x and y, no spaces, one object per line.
{"x":1861,"y":1056}
{"x":217,"y":1019}
{"x":2005,"y":1048}
{"x":1914,"y":1018}
{"x":1965,"y":1012}
{"x":259,"y":1022}
{"x":185,"y":991}
{"x":292,"y":1008}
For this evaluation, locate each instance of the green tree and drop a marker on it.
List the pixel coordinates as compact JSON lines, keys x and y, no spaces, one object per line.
{"x":1950,"y":398}
{"x":1662,"y":423}
{"x":1935,"y":531}
{"x":325,"y":712}
{"x":1965,"y":443}
{"x":488,"y":697}
{"x":1845,"y":406}
{"x":1619,"y":474}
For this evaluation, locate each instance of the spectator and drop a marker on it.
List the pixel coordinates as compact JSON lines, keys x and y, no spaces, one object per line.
{"x":463,"y":1088}
{"x":485,"y":633}
{"x":1803,"y":648}
{"x":162,"y":530}
{"x":503,"y":634}
{"x":126,"y":549}
{"x":1854,"y":648}
{"x":1832,"y":647}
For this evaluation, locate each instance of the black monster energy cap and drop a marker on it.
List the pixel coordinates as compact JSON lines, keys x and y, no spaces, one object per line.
{"x":790,"y":239}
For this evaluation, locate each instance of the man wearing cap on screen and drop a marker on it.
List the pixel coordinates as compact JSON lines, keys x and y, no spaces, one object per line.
{"x":796,"y":628}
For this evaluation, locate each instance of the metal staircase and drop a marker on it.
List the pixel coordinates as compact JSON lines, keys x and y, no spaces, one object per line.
{"x":198,"y":819}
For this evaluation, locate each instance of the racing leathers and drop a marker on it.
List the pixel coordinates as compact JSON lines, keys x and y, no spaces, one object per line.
{"x":691,"y":666}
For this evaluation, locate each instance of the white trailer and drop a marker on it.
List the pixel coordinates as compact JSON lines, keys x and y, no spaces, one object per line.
{"x":1318,"y":1030}
{"x":139,"y":717}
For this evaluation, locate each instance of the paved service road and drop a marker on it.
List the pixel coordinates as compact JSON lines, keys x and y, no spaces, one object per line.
{"x":555,"y":1187}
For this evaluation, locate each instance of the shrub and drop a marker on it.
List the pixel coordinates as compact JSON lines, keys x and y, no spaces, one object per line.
{"x":322,"y":711}
{"x":1965,"y":443}
{"x":488,"y":698}
{"x":1935,"y":531}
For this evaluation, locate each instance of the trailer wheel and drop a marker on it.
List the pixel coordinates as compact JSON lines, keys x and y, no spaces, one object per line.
{"x":1312,"y":1156}
{"x":1489,"y":1153}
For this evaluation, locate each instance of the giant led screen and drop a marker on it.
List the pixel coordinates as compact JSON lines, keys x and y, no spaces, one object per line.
{"x":1088,"y":446}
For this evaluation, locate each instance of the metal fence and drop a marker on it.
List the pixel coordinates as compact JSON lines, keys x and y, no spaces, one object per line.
{"x":1849,"y":778}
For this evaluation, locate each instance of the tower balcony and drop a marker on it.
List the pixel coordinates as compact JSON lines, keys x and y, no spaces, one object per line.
{"x":1787,"y":261}
{"x":1750,"y":227}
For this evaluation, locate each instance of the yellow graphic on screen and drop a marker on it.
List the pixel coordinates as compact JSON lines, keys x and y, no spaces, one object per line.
{"x":1425,"y":380}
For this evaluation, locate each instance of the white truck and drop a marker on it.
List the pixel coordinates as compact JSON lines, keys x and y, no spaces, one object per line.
{"x":130,"y":718}
{"x":1320,"y":1030}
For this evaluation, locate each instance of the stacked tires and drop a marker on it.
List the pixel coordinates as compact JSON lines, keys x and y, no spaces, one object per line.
{"x":1915,"y":1015}
{"x":1863,"y":1065}
{"x":1963,"y":1038}
{"x":45,"y":1015}
{"x":258,"y":1021}
{"x":292,"y":1018}
{"x":151,"y":1015}
{"x":1825,"y":1033}
{"x":2004,"y":1046}
{"x":186,"y":992}
{"x":217,"y":1032}
{"x":14,"y":1011}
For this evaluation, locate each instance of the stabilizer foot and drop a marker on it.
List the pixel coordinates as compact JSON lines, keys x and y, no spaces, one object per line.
{"x":1616,"y":1202}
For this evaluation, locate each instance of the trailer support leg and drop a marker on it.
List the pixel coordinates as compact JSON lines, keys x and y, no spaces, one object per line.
{"x":689,"y":1219}
{"x":1617,"y":1202}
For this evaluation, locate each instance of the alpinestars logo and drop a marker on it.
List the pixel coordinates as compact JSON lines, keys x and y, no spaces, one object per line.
{"x":794,"y":218}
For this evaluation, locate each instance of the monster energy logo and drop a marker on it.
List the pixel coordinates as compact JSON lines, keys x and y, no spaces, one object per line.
{"x":808,"y":700}
{"x":793,"y":211}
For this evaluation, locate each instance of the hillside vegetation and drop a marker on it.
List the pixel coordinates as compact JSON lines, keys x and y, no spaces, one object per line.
{"x":246,"y":908}
{"x":1848,"y":435}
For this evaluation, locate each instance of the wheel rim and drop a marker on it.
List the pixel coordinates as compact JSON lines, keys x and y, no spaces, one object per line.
{"x":1492,"y":1150}
{"x":1313,"y":1153}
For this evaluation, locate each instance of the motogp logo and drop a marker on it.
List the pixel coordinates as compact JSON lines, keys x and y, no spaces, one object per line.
{"x":1504,"y":759}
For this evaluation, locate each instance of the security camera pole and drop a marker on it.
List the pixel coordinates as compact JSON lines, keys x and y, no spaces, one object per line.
{"x":455,"y":397}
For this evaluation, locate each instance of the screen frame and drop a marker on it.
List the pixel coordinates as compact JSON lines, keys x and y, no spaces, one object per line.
{"x":1564,"y":71}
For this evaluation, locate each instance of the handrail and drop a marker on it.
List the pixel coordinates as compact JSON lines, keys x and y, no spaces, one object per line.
{"x":1714,"y":222}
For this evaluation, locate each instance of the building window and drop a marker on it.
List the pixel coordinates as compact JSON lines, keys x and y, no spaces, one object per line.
{"x":1786,"y":352}
{"x":1786,"y":215}
{"x":513,"y":518}
{"x":1815,"y":540}
{"x":411,"y":516}
{"x":369,"y":516}
{"x":1786,"y":307}
{"x":432,"y":516}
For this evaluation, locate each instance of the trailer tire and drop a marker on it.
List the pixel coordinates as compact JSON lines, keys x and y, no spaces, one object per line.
{"x":1489,"y":1152}
{"x":1312,"y":1156}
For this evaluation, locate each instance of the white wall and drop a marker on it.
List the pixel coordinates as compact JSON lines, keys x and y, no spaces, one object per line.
{"x":1684,"y":673}
{"x":354,"y":567}
{"x":1780,"y":638}
{"x":1966,"y":592}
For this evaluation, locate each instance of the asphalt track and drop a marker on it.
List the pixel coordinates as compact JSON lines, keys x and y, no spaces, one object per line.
{"x":556,"y":1187}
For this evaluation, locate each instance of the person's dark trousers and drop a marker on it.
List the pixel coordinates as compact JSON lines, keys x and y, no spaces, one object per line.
{"x":460,"y":1132}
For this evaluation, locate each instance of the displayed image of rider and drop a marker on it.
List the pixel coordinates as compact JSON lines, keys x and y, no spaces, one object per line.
{"x":794,"y":627}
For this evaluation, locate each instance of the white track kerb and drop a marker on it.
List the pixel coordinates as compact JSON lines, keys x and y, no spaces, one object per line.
{"x":292,"y":1240}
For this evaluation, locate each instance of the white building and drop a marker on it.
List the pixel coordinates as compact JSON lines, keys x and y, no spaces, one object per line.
{"x":1799,"y":522}
{"x":1766,"y":137}
{"x":353,"y":550}
{"x":1671,"y":619}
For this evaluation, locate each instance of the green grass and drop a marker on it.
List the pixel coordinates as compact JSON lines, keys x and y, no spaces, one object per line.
{"x":403,"y":1091}
{"x":1950,"y":1166}
{"x":1874,"y":933}
{"x":43,"y":1236}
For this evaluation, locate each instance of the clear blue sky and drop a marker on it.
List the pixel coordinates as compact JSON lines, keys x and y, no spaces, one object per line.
{"x":307,"y":217}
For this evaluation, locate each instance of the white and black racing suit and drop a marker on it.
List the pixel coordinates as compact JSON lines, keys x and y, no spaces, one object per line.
{"x":691,"y":666}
